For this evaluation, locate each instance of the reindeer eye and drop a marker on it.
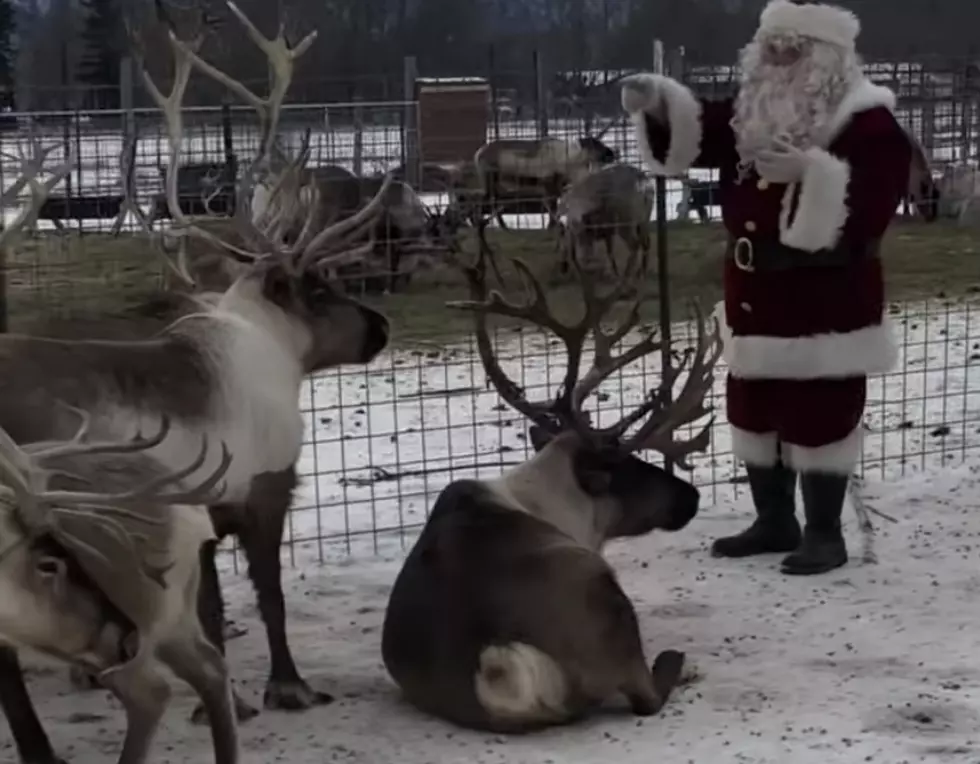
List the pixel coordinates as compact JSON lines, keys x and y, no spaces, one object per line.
{"x":49,"y":566}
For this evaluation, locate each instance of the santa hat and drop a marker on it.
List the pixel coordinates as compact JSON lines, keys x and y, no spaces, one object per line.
{"x":826,"y":23}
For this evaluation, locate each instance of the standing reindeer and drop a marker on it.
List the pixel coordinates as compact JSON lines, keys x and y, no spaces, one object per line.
{"x":505,"y":617}
{"x":615,"y":200}
{"x":512,"y":169}
{"x":232,"y":371}
{"x":923,"y":192}
{"x":108,"y":579}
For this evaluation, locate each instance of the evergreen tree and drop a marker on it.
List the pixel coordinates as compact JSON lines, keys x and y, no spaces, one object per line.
{"x":99,"y":65}
{"x":8,"y":27}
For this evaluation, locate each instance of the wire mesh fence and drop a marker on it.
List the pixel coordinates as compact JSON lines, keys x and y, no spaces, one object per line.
{"x":384,"y":439}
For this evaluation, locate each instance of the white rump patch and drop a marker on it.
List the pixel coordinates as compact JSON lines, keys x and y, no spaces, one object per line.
{"x":519,"y":683}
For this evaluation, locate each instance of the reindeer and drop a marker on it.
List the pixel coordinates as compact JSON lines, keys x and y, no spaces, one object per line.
{"x":505,"y":617}
{"x":959,"y":194}
{"x":923,"y":191}
{"x":231,"y":370}
{"x":511,"y":169}
{"x":406,"y":228}
{"x":100,"y":567}
{"x":613,"y":200}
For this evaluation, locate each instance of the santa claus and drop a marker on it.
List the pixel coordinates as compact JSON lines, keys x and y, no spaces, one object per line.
{"x":813,"y":166}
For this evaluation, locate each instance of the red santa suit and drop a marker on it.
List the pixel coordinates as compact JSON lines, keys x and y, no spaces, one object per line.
{"x":804,"y":319}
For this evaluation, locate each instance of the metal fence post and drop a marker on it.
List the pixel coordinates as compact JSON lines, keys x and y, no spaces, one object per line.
{"x":663,"y":275}
{"x":411,"y":139}
{"x":492,"y":81}
{"x":358,"y":136}
{"x":540,"y":95}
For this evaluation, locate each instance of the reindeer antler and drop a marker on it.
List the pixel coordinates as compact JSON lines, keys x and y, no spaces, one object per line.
{"x":31,"y":166}
{"x":263,"y":238}
{"x":565,"y":412}
{"x":24,"y":475}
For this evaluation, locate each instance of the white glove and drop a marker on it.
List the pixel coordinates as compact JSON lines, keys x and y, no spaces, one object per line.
{"x":783,"y":163}
{"x":643,"y":92}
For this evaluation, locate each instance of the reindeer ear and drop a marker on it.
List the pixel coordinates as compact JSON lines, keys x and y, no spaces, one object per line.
{"x":277,"y":286}
{"x":53,"y":571}
{"x":540,"y":437}
{"x":593,"y":473}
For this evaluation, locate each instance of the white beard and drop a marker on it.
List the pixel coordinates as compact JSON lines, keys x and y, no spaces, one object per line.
{"x":791,"y":103}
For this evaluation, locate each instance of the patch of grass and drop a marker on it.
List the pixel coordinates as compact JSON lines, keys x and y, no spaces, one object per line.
{"x":79,"y":278}
{"x":920,"y":261}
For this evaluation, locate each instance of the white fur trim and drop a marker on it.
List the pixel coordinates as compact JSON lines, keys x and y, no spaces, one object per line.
{"x":826,"y":23}
{"x":863,"y":95}
{"x":822,"y":210}
{"x":759,"y":449}
{"x":870,"y":350}
{"x":839,"y":457}
{"x":661,"y":97}
{"x":519,"y":682}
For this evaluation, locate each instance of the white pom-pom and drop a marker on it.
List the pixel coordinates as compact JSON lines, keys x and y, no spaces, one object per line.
{"x":640,"y":92}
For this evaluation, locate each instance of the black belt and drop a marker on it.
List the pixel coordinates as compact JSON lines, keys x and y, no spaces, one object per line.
{"x":767,"y":256}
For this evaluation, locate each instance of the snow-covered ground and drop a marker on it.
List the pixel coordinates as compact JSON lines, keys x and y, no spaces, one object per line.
{"x":871,"y":663}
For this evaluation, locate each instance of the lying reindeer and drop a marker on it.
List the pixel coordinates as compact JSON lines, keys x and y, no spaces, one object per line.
{"x":233,"y":370}
{"x":505,"y":617}
{"x":107,"y":579}
{"x":615,"y":200}
{"x":512,"y":169}
{"x":406,"y":230}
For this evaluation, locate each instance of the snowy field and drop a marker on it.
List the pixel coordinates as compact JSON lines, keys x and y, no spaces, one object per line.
{"x":871,"y":663}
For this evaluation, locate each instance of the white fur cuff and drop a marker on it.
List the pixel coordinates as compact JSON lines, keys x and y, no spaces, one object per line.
{"x":869,"y":350}
{"x":822,"y":210}
{"x":838,"y":458}
{"x":662,"y":98}
{"x":757,"y":449}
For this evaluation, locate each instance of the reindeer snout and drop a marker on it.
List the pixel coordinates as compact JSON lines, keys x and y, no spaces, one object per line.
{"x":376,"y":335}
{"x":684,"y":506}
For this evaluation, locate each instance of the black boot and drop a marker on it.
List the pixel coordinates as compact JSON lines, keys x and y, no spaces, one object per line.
{"x":776,"y":528}
{"x":823,"y":545}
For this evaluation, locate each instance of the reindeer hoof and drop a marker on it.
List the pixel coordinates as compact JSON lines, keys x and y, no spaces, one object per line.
{"x":243,"y":712}
{"x":82,"y":680}
{"x":294,"y":696}
{"x":667,"y":669}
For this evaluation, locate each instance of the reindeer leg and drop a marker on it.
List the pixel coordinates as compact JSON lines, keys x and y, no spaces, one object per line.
{"x":649,"y":690}
{"x":261,"y":536}
{"x":200,"y":664}
{"x":610,"y":256}
{"x":30,"y":739}
{"x":210,"y":610}
{"x":144,"y":693}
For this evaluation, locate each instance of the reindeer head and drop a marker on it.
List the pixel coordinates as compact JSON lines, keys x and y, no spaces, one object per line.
{"x":588,"y":476}
{"x":597,"y":151}
{"x":72,"y":546}
{"x":289,"y":283}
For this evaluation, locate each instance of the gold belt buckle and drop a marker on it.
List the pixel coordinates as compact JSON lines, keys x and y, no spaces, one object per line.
{"x":743,"y":255}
